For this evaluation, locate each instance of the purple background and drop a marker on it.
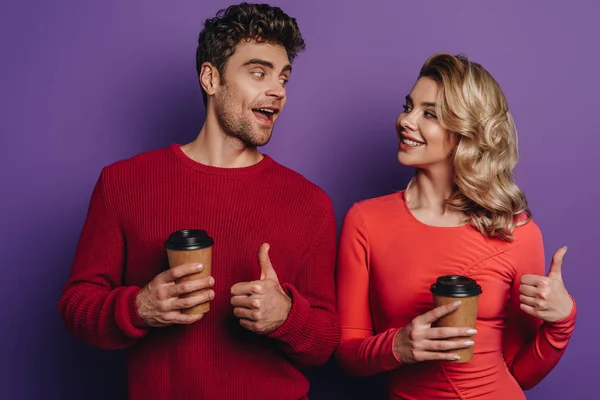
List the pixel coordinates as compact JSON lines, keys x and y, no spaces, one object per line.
{"x":84,"y":84}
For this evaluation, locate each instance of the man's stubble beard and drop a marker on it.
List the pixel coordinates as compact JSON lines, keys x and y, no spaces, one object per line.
{"x":235,"y":126}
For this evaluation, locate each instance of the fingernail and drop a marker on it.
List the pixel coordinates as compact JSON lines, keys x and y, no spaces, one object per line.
{"x":211,"y":281}
{"x":565,"y":247}
{"x":469,"y":343}
{"x":456,"y":357}
{"x":199,"y":266}
{"x":472,"y":331}
{"x":211,"y":294}
{"x":456,"y":303}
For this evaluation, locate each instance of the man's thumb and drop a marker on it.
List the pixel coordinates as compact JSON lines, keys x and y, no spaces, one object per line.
{"x":266,"y":268}
{"x":556,"y":266}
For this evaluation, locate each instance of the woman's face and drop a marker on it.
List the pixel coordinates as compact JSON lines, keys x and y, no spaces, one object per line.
{"x":424,"y":143}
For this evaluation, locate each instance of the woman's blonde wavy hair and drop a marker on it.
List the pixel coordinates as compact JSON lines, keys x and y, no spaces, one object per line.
{"x":472,"y":105}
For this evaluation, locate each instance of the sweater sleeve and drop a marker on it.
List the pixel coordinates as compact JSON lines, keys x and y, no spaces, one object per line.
{"x":94,"y":305}
{"x":532,"y":348}
{"x":361,"y":352}
{"x":311,"y":331}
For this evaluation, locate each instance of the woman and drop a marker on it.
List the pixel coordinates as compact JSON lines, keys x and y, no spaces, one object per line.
{"x":461,"y":214}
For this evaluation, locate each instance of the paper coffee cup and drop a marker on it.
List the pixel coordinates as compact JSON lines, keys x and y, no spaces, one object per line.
{"x":448,"y":289}
{"x":191,"y":246}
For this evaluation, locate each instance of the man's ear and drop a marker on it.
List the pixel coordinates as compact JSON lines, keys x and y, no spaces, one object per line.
{"x":209,"y":78}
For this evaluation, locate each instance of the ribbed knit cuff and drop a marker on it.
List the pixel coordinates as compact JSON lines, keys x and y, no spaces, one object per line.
{"x":291,"y":331}
{"x":126,"y":315}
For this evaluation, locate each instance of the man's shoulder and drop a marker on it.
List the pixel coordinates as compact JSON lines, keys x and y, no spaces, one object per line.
{"x":295,"y":184}
{"x":134,"y":167}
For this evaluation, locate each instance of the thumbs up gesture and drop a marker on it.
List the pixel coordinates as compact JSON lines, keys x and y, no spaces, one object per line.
{"x":545,"y":297}
{"x":262,"y":306}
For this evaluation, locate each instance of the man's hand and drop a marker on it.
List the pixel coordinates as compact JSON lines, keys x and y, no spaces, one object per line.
{"x":159,"y":304}
{"x":262,"y":306}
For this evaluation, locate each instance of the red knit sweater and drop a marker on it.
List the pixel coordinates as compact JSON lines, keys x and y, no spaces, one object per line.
{"x":135,"y":205}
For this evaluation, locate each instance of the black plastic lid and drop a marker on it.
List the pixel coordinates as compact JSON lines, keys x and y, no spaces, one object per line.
{"x":455,"y":286}
{"x":189,"y":239}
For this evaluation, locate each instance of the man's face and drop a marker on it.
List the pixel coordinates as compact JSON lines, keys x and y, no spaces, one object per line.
{"x":251,"y":93}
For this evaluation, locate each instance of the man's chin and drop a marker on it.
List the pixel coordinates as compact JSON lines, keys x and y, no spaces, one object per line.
{"x":260,"y":139}
{"x":256,"y":143}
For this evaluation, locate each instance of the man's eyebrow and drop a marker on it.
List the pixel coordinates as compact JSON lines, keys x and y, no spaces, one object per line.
{"x":268,"y":64}
{"x":258,"y":61}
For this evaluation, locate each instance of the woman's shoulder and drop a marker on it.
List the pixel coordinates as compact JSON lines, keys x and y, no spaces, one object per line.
{"x":391,"y":199}
{"x":527,"y":231}
{"x":378,"y":206}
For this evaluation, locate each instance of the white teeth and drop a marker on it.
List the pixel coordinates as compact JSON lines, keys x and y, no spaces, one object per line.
{"x":266,"y":110}
{"x":409,"y":142}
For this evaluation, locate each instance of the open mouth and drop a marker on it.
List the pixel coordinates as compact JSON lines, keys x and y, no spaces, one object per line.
{"x":265,"y":114}
{"x":410,"y":142}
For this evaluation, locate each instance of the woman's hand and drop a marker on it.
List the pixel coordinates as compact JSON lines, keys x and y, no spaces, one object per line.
{"x":418,"y":341}
{"x":545,"y":297}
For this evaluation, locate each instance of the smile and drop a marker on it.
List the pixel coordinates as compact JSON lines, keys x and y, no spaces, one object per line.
{"x":411,"y":143}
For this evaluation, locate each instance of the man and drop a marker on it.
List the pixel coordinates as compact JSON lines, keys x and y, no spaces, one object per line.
{"x":271,"y":293}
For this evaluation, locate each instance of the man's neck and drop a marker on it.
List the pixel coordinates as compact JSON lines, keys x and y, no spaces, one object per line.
{"x":214,"y":148}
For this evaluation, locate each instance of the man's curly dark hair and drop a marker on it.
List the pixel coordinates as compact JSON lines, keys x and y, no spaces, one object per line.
{"x":260,"y":22}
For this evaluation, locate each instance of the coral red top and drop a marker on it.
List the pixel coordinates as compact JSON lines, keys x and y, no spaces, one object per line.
{"x":387,"y":262}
